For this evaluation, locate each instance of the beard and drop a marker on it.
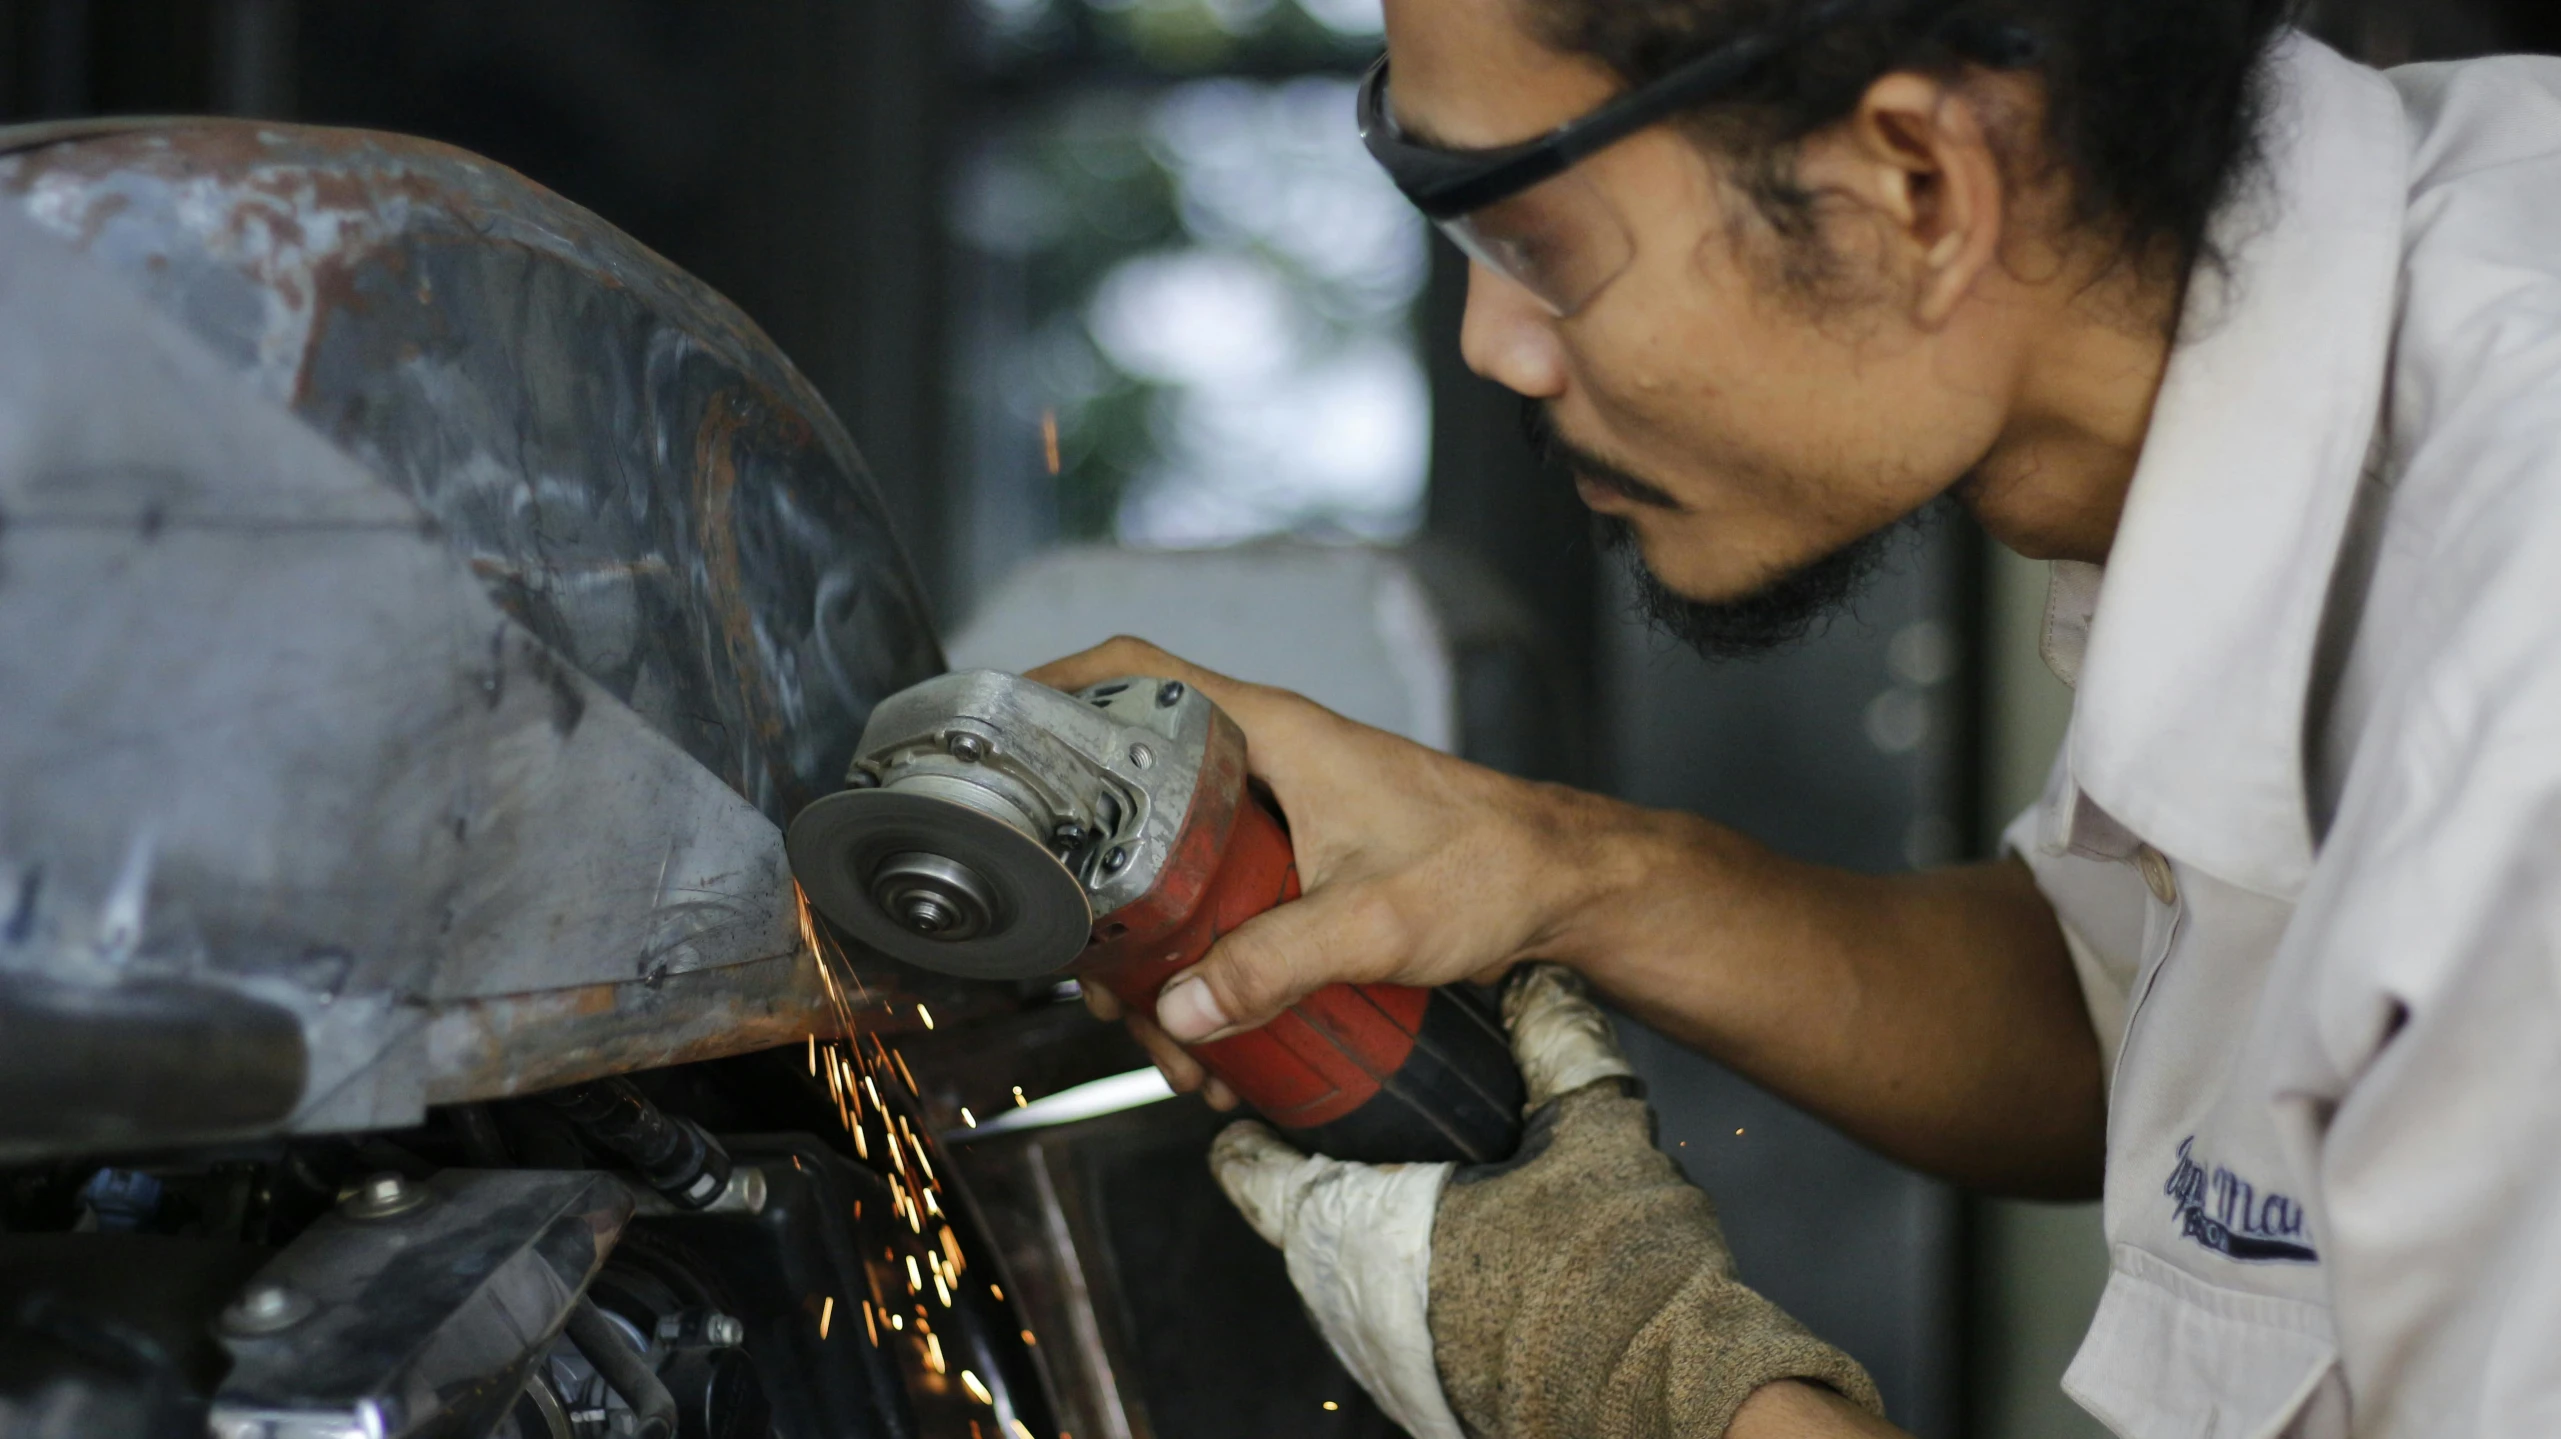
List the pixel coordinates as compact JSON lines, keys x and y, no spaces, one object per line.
{"x":1780,"y":613}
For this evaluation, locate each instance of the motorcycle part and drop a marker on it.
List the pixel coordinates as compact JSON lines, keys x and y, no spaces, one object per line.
{"x":674,"y":1155}
{"x":625,"y":1368}
{"x":999,"y":829}
{"x":424,"y":1319}
{"x":463,"y":515}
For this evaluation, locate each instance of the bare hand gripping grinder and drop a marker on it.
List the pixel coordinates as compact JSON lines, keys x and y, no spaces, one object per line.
{"x":995,"y":828}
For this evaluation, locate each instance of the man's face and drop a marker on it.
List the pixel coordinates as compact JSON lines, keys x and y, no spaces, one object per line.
{"x":1745,"y":436}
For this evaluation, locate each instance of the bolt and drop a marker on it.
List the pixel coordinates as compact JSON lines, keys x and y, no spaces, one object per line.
{"x":1068,"y":834}
{"x":266,"y":1302}
{"x":1116,"y":860}
{"x":862,"y":779}
{"x":384,"y":1195}
{"x":925,"y":914}
{"x":265,"y":1308}
{"x":967,"y":748}
{"x":1141,"y":756}
{"x":1171,"y":695}
{"x":716,"y":1329}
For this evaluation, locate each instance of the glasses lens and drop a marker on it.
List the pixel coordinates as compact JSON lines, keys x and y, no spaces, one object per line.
{"x":1560,"y":239}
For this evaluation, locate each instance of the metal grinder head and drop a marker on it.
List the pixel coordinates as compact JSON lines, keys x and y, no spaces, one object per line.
{"x":992,"y":823}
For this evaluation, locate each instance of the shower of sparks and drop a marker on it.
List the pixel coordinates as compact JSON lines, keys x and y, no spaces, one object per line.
{"x":851,"y":1070}
{"x":1049,"y":439}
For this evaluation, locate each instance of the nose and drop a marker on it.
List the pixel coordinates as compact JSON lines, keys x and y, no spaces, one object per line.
{"x":1508,"y":337}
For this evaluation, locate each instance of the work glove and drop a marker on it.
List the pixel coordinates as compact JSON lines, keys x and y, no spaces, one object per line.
{"x":1579,"y":1290}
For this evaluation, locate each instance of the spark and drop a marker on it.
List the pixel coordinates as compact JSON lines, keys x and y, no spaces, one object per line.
{"x":933,"y":1350}
{"x":869,"y":1327}
{"x":914,"y":1283}
{"x":1019,"y":1101}
{"x":926,"y":1015}
{"x":968,"y":1118}
{"x":813,"y":1058}
{"x":903,"y":1074}
{"x":951,"y":1250}
{"x":897,"y":1321}
{"x":1028,"y":1341}
{"x":825,"y":1315}
{"x":1049,"y":439}
{"x":942,"y":1291}
{"x":998,"y":1290}
{"x":977,"y":1390}
{"x":1738,"y":1131}
{"x":1331,"y":1406}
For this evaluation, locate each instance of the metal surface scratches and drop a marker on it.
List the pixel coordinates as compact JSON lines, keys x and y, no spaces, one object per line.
{"x":462,"y":736}
{"x":626,"y":461}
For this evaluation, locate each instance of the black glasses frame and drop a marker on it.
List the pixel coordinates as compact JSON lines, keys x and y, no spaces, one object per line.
{"x":1445,"y":184}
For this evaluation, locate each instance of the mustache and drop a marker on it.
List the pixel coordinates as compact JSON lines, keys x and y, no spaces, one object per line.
{"x":1547,"y":440}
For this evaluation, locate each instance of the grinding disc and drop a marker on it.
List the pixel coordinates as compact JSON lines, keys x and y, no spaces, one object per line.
{"x":1038,"y":917}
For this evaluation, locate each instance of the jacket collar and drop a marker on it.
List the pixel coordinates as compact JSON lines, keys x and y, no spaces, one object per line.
{"x":2188,"y":727}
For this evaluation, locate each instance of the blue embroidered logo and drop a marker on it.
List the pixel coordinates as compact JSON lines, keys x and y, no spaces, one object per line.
{"x":2227,"y":1214}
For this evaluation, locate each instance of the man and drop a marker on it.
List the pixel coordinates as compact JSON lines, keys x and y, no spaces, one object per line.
{"x":2263,"y":349}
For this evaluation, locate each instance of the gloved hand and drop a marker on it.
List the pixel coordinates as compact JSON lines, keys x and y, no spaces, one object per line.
{"x":1581,"y":1288}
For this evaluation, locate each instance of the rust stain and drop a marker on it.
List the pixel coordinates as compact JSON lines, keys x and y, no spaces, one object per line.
{"x":715,"y":486}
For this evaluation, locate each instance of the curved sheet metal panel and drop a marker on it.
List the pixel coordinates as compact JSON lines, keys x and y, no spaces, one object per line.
{"x":633,"y":469}
{"x":462,"y":740}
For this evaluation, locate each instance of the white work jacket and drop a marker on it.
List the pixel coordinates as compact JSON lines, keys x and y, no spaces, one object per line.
{"x":2305,"y":834}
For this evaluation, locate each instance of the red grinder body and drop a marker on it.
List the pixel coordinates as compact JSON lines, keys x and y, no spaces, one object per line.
{"x":1377,"y":1072}
{"x":995,"y":828}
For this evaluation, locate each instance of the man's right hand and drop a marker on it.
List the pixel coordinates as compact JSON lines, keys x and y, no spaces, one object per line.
{"x":1933,"y":1015}
{"x":1417,"y":868}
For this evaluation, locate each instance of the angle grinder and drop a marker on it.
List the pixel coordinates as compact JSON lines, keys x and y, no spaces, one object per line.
{"x":996,"y":828}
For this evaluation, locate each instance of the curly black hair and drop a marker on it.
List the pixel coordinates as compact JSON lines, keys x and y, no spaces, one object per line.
{"x":2154,"y":108}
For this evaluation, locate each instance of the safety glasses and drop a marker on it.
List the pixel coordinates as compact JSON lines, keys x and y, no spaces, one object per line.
{"x":1523,"y":210}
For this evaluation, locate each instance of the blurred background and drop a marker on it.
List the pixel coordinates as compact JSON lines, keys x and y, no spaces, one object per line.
{"x":1116,"y":274}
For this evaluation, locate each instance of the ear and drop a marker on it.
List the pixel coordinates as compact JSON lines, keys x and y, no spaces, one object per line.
{"x":1918,"y":157}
